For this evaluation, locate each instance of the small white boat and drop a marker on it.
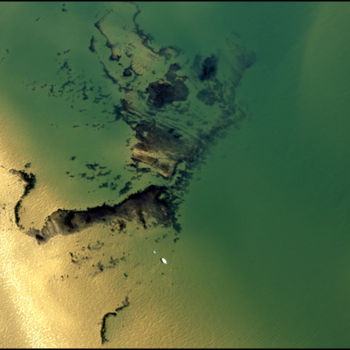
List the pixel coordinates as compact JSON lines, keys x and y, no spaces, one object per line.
{"x":163,"y":260}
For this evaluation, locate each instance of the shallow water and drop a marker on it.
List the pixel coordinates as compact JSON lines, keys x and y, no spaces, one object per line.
{"x":262,"y":257}
{"x":268,"y":214}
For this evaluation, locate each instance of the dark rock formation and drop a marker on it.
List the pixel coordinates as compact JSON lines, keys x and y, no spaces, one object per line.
{"x":160,"y":148}
{"x":92,"y":44}
{"x":127,"y":72}
{"x":162,"y":92}
{"x":29,"y":180}
{"x":151,"y":206}
{"x":103,"y":331}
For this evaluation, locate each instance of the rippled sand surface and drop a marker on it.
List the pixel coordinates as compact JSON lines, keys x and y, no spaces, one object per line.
{"x":261,"y":259}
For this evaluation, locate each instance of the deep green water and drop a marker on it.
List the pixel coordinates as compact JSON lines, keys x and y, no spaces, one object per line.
{"x":263,"y":258}
{"x":268,"y":213}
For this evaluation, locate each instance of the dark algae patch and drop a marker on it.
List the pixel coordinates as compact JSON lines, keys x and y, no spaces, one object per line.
{"x":126,"y":188}
{"x":208,"y":68}
{"x":162,"y":93}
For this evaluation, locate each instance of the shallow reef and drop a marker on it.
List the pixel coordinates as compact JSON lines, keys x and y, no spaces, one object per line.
{"x":151,"y":206}
{"x":177,"y":107}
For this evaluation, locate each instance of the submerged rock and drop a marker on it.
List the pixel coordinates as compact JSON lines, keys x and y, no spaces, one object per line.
{"x":29,"y":183}
{"x":151,"y":206}
{"x":104,"y":328}
{"x":176,"y":105}
{"x":161,"y":148}
{"x":171,"y":91}
{"x":209,"y":68}
{"x":161,"y":93}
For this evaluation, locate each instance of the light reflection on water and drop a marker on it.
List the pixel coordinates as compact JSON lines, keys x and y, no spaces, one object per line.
{"x":262,"y":259}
